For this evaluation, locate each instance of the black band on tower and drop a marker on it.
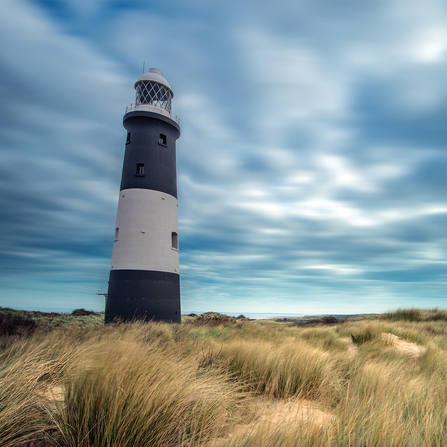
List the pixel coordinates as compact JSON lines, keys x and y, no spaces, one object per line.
{"x":150,"y":161}
{"x":143,"y":295}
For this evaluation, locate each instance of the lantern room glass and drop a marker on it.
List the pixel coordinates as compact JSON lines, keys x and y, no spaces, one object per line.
{"x":152,"y":93}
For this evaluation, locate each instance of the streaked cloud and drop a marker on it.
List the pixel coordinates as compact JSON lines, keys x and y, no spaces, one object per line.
{"x":311,"y":166}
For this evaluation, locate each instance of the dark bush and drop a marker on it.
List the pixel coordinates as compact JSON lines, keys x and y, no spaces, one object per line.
{"x":11,"y":324}
{"x":213,"y":320}
{"x":330,"y":319}
{"x":82,"y":312}
{"x":326,"y":320}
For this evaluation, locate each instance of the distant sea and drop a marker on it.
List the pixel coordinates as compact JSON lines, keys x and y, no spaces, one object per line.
{"x":251,"y":315}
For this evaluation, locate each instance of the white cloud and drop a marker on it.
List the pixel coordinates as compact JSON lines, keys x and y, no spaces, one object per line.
{"x":284,"y":197}
{"x":293,"y":81}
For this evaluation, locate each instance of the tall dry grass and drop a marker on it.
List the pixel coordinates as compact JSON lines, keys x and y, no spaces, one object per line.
{"x":200,"y":385}
{"x":133,"y":394}
{"x":127,"y":385}
{"x":279,"y":370}
{"x":23,"y":406}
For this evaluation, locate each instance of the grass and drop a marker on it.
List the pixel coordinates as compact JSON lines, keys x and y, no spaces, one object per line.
{"x":416,"y":315}
{"x":22,"y":411}
{"x":216,"y":381}
{"x":366,"y":333}
{"x":132,"y":394}
{"x":280,"y":370}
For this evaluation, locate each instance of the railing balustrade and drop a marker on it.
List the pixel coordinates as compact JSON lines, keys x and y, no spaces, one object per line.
{"x":154,"y":109}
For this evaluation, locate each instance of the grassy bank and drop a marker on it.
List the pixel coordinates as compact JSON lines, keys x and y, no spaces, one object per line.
{"x":216,"y":381}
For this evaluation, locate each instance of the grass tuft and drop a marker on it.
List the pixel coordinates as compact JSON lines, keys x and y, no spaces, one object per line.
{"x":437,"y":315}
{"x":365,"y":333}
{"x":403,"y":314}
{"x":129,"y":394}
{"x":23,"y":414}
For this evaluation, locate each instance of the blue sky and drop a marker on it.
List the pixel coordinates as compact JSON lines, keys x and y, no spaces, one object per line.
{"x":311,"y":166}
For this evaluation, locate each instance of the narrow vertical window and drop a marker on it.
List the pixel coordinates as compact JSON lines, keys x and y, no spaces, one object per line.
{"x":140,"y":169}
{"x":117,"y":230}
{"x":174,"y":238}
{"x":162,"y":140}
{"x":128,"y":138}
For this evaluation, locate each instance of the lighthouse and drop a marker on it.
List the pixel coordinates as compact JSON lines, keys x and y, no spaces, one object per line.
{"x":144,"y":279}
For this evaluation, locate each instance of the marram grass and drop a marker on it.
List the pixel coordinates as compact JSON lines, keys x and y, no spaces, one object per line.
{"x":23,"y":405}
{"x":278,"y":370}
{"x":207,"y":385}
{"x":132,"y":394}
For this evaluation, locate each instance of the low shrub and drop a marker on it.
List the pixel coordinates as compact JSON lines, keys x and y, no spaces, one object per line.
{"x":82,"y":312}
{"x":327,"y":320}
{"x":11,"y":324}
{"x":213,"y":320}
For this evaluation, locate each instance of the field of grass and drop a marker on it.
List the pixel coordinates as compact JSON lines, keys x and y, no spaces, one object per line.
{"x":214,"y":381}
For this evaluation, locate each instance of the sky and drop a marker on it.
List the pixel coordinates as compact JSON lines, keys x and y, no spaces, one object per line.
{"x":312,"y":164}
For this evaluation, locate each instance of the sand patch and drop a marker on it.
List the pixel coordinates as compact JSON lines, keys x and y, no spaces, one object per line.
{"x":273,"y":414}
{"x":406,"y":347}
{"x":296,"y":412}
{"x":54,"y":395}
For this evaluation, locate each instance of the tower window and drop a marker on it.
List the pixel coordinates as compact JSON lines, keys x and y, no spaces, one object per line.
{"x":117,"y":230}
{"x":162,"y":140}
{"x":174,"y":238}
{"x":140,"y":169}
{"x":128,"y":138}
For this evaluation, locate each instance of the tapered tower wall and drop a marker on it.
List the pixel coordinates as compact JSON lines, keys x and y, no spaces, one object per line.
{"x":144,"y":279}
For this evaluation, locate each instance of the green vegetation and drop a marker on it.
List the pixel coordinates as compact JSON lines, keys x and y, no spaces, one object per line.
{"x":214,"y":381}
{"x":51,"y":320}
{"x":416,"y":315}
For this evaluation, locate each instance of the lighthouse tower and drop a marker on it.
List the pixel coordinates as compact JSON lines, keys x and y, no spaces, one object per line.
{"x":144,"y":277}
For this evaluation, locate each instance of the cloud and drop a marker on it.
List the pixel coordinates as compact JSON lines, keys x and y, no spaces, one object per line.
{"x":60,"y":149}
{"x":310,"y":165}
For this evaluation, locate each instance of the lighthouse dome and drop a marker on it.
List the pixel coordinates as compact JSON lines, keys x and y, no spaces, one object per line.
{"x":154,"y":75}
{"x":153,"y":93}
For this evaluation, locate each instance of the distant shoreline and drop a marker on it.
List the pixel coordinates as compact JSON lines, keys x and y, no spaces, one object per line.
{"x":249,"y":315}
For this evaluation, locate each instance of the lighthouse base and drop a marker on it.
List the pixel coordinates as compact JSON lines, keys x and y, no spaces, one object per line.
{"x":143,"y":295}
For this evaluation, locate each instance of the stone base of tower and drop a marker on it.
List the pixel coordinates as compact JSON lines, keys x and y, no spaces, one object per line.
{"x":143,"y":295}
